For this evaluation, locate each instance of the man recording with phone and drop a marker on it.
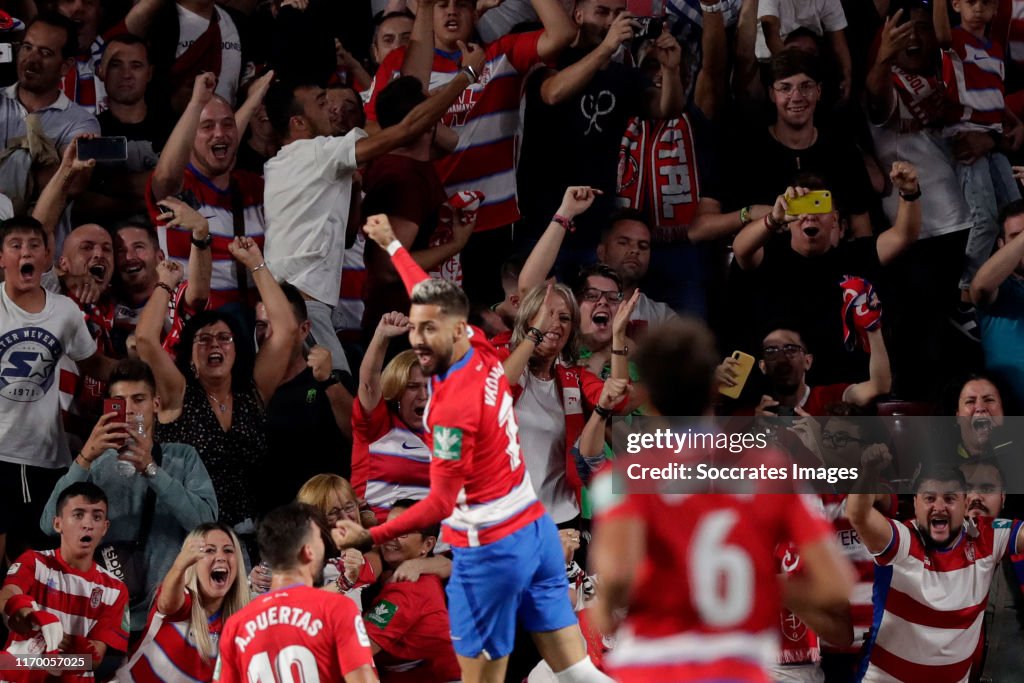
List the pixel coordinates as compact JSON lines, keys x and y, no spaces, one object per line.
{"x":158,"y":491}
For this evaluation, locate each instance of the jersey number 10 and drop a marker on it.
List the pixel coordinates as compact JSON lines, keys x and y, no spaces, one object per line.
{"x":292,"y":660}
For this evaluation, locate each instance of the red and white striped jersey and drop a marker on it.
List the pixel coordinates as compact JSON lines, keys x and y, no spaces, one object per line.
{"x":705,"y":605}
{"x":389,"y":461}
{"x":216,"y":207}
{"x":861,"y":604}
{"x":973,"y":71}
{"x":167,"y":653}
{"x":92,"y":604}
{"x":929,"y":604}
{"x":487,"y":119}
{"x":472,"y":432}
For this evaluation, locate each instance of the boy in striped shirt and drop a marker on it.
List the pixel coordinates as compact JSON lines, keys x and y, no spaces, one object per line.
{"x":932,"y":580}
{"x":973,"y":71}
{"x":61,"y":600}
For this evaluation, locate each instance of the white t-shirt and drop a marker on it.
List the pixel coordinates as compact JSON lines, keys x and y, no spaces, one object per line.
{"x":191,"y":26}
{"x":541,"y":418}
{"x":653,"y":312}
{"x":306,"y":197}
{"x":943,"y":208}
{"x":6,"y":207}
{"x":820,"y":16}
{"x":31,"y":345}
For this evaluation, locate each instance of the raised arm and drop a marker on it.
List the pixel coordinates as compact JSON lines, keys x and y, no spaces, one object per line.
{"x":170,"y":383}
{"x":576,"y":200}
{"x":620,"y":342}
{"x":140,"y":16}
{"x":570,"y":81}
{"x":711,"y":89}
{"x":170,"y":170}
{"x":879,"y":380}
{"x":172,"y":590}
{"x":200,"y":260}
{"x":881,"y":94}
{"x":746,"y":83}
{"x":842,"y":53}
{"x":669,"y":100}
{"x":272,"y":358}
{"x":874,"y":529}
{"x":425,"y":114}
{"x":253,"y":100}
{"x":54,"y":197}
{"x":940,"y":19}
{"x":516,"y":363}
{"x":907,"y":226}
{"x":994,"y":272}
{"x":559,"y":29}
{"x":391,"y":325}
{"x":419,"y":56}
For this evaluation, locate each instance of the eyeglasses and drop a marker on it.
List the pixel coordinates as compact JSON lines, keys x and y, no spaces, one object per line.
{"x":348,"y":510}
{"x":807,"y":88}
{"x":839,"y":439}
{"x":791,"y":351}
{"x":222,"y":338}
{"x":594,"y":295}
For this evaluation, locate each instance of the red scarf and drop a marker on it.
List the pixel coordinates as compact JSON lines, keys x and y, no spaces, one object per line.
{"x":921,"y":102}
{"x":799,"y":643}
{"x":658,"y":171}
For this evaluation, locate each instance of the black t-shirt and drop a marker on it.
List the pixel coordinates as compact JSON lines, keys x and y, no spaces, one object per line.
{"x":154,"y":128}
{"x":575,"y":142}
{"x":793,"y":290}
{"x":303,"y":440}
{"x":763,"y":169}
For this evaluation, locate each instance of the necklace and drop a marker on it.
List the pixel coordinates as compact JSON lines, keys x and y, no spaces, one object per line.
{"x":223,"y":406}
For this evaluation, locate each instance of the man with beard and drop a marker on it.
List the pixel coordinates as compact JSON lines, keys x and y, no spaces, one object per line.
{"x":480,"y":487}
{"x":998,"y":292}
{"x":934,"y":577}
{"x":198,"y":162}
{"x":46,"y":53}
{"x":295,"y":625}
{"x":136,"y":255}
{"x":785,"y":360}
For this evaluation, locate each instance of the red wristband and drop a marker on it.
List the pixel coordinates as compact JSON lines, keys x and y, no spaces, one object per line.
{"x":564,"y":222}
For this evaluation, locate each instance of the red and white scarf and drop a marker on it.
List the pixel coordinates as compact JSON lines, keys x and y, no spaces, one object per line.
{"x":658,"y":171}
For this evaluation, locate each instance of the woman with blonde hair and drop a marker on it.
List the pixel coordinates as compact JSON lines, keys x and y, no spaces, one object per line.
{"x":390,"y":459}
{"x":554,"y":395}
{"x":202,"y":589}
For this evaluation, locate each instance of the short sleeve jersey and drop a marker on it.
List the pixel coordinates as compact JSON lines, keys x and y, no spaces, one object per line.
{"x":316,"y":635}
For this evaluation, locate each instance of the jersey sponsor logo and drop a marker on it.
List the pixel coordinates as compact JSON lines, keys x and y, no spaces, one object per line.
{"x":447,"y":443}
{"x":407,"y":447}
{"x":13,"y":569}
{"x":792,"y":627}
{"x":382,"y":613}
{"x":28,"y":359}
{"x":95,"y":597}
{"x":364,"y":639}
{"x":1002,"y":523}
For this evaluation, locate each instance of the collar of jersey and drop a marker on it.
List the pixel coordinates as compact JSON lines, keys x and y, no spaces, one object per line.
{"x":458,"y":366}
{"x":454,"y":56}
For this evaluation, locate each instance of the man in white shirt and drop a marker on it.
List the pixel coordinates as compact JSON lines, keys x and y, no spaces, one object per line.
{"x":308,"y":188}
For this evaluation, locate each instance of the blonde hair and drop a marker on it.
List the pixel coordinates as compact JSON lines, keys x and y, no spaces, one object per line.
{"x":235,"y":600}
{"x":396,"y":375}
{"x":317,"y":491}
{"x":530,"y":305}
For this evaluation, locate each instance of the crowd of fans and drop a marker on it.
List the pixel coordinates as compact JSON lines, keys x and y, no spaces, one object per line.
{"x":196,"y":328}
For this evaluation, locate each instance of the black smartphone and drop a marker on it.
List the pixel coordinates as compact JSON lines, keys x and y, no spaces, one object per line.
{"x":103,"y":149}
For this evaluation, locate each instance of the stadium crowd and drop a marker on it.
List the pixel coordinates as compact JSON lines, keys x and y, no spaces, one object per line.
{"x":315,"y":316}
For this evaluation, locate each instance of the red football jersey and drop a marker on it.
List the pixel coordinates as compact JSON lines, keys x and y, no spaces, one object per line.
{"x":704,"y":603}
{"x":473,"y":433}
{"x":297,"y":633}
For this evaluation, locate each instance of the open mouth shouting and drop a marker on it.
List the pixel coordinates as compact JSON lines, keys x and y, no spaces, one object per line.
{"x":132,"y":269}
{"x":452,"y":25}
{"x":86,"y":540}
{"x":219,"y":577}
{"x":601,"y":320}
{"x":215,"y":359}
{"x":98,"y":272}
{"x":220,"y":151}
{"x":812,"y":231}
{"x":982,"y":426}
{"x":27,"y":269}
{"x":938,"y":525}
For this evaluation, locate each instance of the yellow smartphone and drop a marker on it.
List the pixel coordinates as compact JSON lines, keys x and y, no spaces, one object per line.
{"x":742,"y":373}
{"x":815,"y":201}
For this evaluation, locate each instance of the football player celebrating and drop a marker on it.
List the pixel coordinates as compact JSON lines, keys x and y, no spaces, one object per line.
{"x":508,"y":562}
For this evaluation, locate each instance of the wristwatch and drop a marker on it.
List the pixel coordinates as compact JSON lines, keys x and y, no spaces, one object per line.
{"x":203,"y":243}
{"x":911,"y":196}
{"x":150,"y":470}
{"x":332,"y":379}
